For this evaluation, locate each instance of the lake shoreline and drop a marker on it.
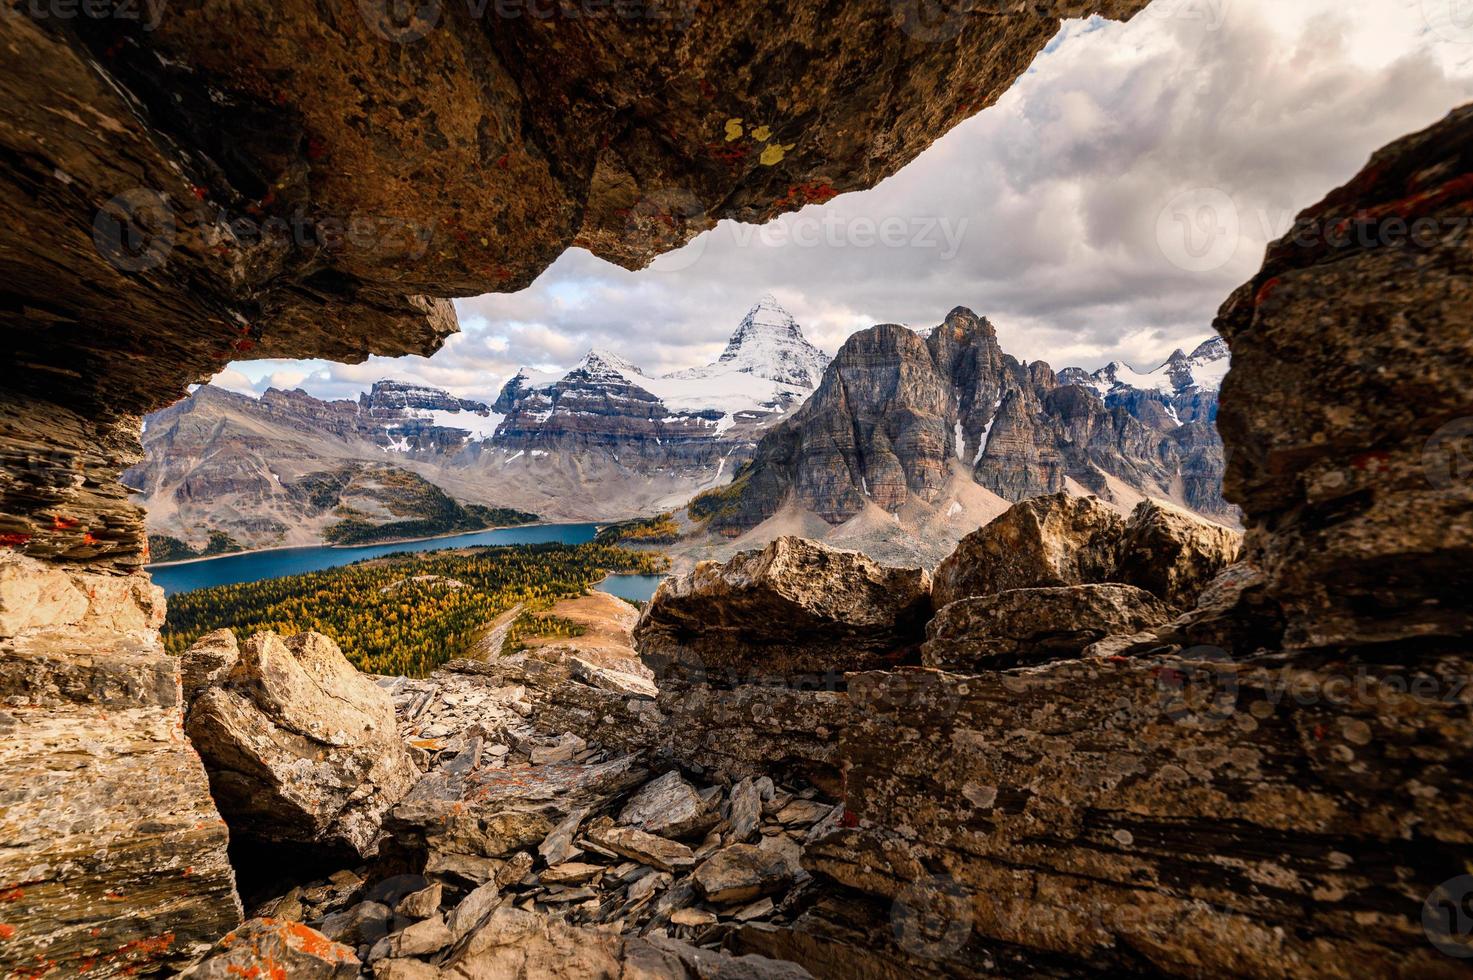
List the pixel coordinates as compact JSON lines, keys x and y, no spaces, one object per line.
{"x":277,"y":562}
{"x":347,"y":547}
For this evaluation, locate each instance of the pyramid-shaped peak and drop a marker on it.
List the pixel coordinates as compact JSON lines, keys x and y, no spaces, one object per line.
{"x":767,"y":316}
{"x":599,"y":361}
{"x":768,"y":343}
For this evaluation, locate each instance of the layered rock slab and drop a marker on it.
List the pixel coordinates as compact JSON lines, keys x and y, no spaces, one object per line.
{"x":301,"y":747}
{"x":115,"y":860}
{"x":1061,"y":539}
{"x":1350,"y":440}
{"x":471,"y":809}
{"x":1027,"y":626}
{"x":273,"y":948}
{"x":1195,"y":816}
{"x":794,"y":609}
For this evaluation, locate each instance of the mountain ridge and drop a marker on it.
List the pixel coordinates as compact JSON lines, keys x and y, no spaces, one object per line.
{"x":905,"y":422}
{"x":607,"y":441}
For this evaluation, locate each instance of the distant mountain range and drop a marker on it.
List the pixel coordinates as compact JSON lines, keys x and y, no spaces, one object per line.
{"x":898,"y":442}
{"x":913,"y":440}
{"x":602,"y":441}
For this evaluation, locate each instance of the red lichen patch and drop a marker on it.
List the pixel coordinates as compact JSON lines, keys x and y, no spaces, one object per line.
{"x":812,"y":192}
{"x":729,"y":154}
{"x":14,"y":540}
{"x":12,"y":895}
{"x":1424,"y":202}
{"x":148,"y":948}
{"x":59,"y":523}
{"x":1266,"y":291}
{"x":6,"y":932}
{"x":1373,"y":461}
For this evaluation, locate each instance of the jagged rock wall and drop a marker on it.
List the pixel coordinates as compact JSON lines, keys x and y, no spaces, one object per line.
{"x":1356,"y":484}
{"x":1253,"y":805}
{"x":114,"y":860}
{"x":1273,"y":784}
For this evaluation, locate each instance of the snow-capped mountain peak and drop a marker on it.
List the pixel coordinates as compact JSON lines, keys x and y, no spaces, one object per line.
{"x":768,"y":343}
{"x":603,"y":364}
{"x":768,"y":367}
{"x":1202,"y":370}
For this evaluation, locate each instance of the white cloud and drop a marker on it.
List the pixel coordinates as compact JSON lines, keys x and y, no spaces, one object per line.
{"x":1056,"y":213}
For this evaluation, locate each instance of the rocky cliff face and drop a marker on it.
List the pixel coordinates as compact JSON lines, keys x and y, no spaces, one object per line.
{"x":898,"y":419}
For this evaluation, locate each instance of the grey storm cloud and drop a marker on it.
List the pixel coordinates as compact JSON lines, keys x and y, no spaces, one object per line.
{"x":1102,"y":210}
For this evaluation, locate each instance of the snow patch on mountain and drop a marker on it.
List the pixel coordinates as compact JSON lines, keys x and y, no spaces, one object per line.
{"x":480,"y":427}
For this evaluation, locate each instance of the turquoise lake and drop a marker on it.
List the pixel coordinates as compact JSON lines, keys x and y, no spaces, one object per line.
{"x":232,"y":569}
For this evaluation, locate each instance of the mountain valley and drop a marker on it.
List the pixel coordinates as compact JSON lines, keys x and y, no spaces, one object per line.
{"x":899,"y":446}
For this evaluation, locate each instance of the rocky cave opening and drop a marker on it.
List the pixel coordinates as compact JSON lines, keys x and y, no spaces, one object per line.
{"x":1304,"y":844}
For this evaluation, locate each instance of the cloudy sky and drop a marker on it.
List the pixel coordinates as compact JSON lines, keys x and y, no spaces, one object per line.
{"x":1102,"y":210}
